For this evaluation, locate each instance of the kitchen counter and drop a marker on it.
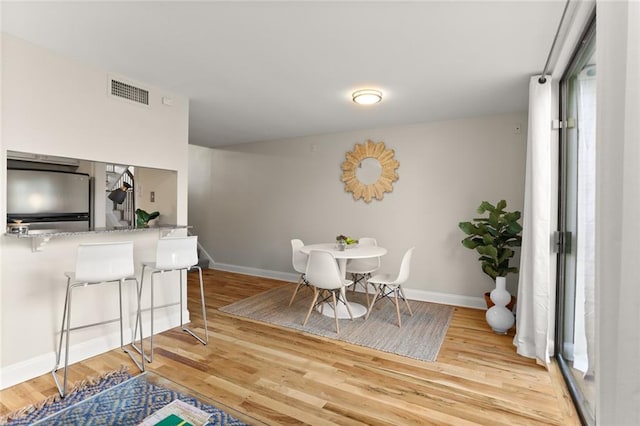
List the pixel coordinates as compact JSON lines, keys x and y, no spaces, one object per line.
{"x":40,"y":237}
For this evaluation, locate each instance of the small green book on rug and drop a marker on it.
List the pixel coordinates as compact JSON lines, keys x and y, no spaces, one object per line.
{"x":173,"y":420}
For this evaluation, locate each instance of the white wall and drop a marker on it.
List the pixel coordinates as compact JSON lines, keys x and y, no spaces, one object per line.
{"x":55,"y":105}
{"x":617,"y":371}
{"x":163,"y":184}
{"x":247,"y":202}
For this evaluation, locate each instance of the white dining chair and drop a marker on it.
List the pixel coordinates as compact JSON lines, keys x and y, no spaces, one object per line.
{"x":388,"y":284}
{"x":326,"y":280}
{"x":175,"y":254}
{"x":97,"y":263}
{"x":361,"y":269}
{"x":299,"y":261}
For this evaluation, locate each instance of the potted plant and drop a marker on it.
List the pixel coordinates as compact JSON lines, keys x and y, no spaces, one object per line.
{"x":143,"y":218}
{"x":494,"y":237}
{"x":345,"y":241}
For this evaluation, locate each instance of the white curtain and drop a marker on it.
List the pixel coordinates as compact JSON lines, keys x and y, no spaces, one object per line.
{"x":584,"y":327}
{"x":536,"y":287}
{"x":618,"y":213}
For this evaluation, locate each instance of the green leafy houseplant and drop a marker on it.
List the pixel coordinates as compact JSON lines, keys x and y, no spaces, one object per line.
{"x":143,"y":218}
{"x":494,"y":238}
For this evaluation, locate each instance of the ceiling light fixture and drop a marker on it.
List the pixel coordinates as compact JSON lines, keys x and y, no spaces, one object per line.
{"x":366,"y":96}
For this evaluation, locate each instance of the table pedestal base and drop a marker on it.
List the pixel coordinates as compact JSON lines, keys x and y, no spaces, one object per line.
{"x":357,"y":310}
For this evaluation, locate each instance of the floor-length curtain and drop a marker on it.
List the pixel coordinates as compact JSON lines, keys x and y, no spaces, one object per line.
{"x":536,"y":287}
{"x":618,"y":213}
{"x":584,"y":327}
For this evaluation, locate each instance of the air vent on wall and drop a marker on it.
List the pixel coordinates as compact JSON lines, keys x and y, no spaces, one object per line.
{"x":129,"y":92}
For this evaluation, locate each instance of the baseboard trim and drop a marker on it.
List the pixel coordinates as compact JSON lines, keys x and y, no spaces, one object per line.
{"x":42,"y":364}
{"x":206,"y":254}
{"x":413,"y":294}
{"x":445,"y":298}
{"x":257,"y":272}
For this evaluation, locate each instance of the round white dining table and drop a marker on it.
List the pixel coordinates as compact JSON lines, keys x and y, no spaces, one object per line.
{"x":358,"y":252}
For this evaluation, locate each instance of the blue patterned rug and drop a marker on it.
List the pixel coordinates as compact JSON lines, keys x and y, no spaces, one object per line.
{"x":115,"y":399}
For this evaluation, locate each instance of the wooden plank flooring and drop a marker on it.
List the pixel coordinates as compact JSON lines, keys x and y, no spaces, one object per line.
{"x":280,"y":376}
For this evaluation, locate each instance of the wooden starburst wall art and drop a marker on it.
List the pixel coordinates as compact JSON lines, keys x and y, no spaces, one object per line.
{"x":380,"y":176}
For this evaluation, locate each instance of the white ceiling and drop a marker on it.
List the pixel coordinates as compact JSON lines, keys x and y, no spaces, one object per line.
{"x":264,"y":70}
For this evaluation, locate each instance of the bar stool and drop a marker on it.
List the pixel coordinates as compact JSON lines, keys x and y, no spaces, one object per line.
{"x":96,"y":264}
{"x":175,"y":254}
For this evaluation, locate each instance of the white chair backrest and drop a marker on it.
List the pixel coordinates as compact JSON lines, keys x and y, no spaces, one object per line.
{"x":100,"y":262}
{"x":299,"y":259}
{"x":367,"y":241}
{"x":368,"y":264}
{"x":177,"y":252}
{"x":405,"y":267}
{"x":323,"y":271}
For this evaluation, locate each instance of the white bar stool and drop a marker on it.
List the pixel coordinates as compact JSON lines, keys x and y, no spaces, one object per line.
{"x":95,"y":264}
{"x":175,"y":254}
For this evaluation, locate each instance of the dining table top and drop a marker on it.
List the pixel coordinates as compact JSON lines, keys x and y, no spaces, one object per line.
{"x":357,"y":252}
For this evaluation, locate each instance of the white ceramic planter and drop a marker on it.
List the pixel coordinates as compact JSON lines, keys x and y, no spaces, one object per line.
{"x":499,"y":318}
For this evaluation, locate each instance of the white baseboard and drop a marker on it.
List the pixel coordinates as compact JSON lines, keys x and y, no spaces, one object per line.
{"x":42,"y":364}
{"x":206,"y":254}
{"x":257,"y":272}
{"x":412,"y":294}
{"x":445,"y":298}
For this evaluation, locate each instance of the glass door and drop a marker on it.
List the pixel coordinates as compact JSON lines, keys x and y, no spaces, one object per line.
{"x":575,"y":319}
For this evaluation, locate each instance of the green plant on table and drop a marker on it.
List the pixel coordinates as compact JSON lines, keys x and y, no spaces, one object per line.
{"x":143,"y":218}
{"x":494,"y":237}
{"x":347,"y":240}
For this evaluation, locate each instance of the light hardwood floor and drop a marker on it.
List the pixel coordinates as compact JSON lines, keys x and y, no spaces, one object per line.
{"x":280,"y":376}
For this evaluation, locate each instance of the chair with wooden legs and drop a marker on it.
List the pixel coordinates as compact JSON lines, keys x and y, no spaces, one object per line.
{"x":326,"y":280}
{"x":388,"y":284}
{"x":97,"y":263}
{"x":299,"y":261}
{"x":361,"y":269}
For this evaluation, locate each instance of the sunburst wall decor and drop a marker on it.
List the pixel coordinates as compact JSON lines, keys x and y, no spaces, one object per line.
{"x":384,"y":182}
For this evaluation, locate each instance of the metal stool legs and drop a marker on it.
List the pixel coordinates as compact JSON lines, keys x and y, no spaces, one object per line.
{"x":204,"y":311}
{"x":204,"y":341}
{"x":65,"y":329}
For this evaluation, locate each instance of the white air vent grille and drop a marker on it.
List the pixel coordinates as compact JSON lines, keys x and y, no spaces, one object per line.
{"x":127,"y":91}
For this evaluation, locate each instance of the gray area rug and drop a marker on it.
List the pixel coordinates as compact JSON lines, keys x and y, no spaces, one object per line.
{"x":420,"y":337}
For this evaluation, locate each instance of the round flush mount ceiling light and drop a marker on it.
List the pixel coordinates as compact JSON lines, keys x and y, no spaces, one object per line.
{"x":366,"y":96}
